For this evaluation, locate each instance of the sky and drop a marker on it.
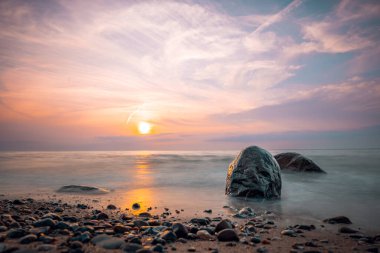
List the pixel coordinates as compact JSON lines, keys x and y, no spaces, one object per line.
{"x":206,"y":75}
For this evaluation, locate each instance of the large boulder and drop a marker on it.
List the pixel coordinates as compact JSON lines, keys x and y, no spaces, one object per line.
{"x":254,"y":173}
{"x":296,"y":162}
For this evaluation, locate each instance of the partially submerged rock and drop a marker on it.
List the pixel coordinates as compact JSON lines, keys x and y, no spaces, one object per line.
{"x":254,"y":173}
{"x":83,"y":189}
{"x":296,"y":162}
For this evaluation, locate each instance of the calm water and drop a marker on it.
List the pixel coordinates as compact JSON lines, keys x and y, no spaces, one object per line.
{"x":196,"y":180}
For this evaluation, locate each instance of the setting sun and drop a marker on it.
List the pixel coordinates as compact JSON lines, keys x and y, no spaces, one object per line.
{"x":144,"y":127}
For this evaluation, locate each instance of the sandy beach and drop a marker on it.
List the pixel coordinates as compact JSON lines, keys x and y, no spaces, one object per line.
{"x":66,"y":225}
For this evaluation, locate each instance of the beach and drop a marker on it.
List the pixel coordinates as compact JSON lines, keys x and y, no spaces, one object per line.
{"x":181,"y":187}
{"x":53,"y":225}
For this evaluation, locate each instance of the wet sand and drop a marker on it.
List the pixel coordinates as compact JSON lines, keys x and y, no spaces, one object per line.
{"x":70,"y":224}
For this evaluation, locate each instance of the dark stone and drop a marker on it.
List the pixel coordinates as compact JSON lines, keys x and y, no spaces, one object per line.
{"x":131,"y":247}
{"x":158,"y":248}
{"x":347,"y":230}
{"x":223,"y":225}
{"x":140,"y":223}
{"x":111,"y":207}
{"x":101,"y":216}
{"x":180,"y":230}
{"x":254,"y":173}
{"x":83,"y":189}
{"x":145,"y":215}
{"x":44,"y":223}
{"x":120,"y":229}
{"x":168,"y":236}
{"x":296,"y":162}
{"x":338,"y":220}
{"x":28,"y":239}
{"x":200,"y":221}
{"x":228,"y":235}
{"x":144,"y":251}
{"x":18,"y":202}
{"x":262,"y":250}
{"x":255,"y":240}
{"x":136,"y":206}
{"x":62,"y":225}
{"x":16,"y":233}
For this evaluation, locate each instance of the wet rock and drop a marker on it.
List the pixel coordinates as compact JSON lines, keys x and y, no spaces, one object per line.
{"x":288,"y":232}
{"x":254,"y":173}
{"x":3,"y":228}
{"x":62,"y":225}
{"x":255,"y":240}
{"x":102,"y":237}
{"x":204,"y":235}
{"x":224,"y":224}
{"x":262,"y":250}
{"x":208,"y":211}
{"x":305,"y":227}
{"x":291,"y":161}
{"x":338,"y":220}
{"x":16,"y":233}
{"x":131,"y":247}
{"x":200,"y":221}
{"x":112,"y":243}
{"x":228,"y":235}
{"x":28,"y":239}
{"x":191,"y":249}
{"x":347,"y":230}
{"x":76,"y":245}
{"x":46,"y":239}
{"x":111,"y":207}
{"x":180,"y":230}
{"x":145,"y":215}
{"x":47,"y":222}
{"x":82,"y":189}
{"x":158,"y":248}
{"x":140,"y":223}
{"x":101,"y":216}
{"x":46,"y":247}
{"x":168,"y":236}
{"x":136,"y":206}
{"x":144,"y":251}
{"x":120,"y":229}
{"x":245,"y":212}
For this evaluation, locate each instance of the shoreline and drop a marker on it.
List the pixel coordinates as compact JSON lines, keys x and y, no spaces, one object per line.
{"x":59,"y":225}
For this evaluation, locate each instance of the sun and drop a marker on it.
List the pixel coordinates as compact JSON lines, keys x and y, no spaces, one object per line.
{"x":144,"y":127}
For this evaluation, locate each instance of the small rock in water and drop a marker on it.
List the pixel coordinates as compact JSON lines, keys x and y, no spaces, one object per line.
{"x":111,"y":207}
{"x":338,"y":220}
{"x":255,"y":240}
{"x":136,"y":206}
{"x":262,"y":250}
{"x":204,"y":235}
{"x":46,"y":247}
{"x":208,"y":211}
{"x":191,"y":249}
{"x":82,"y":189}
{"x":228,"y":235}
{"x":347,"y":230}
{"x":200,"y":221}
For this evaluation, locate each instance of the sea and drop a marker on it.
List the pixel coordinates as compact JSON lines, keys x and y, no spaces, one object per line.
{"x":195,"y":181}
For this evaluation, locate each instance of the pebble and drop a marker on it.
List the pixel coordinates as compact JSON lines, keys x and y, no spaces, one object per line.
{"x":255,"y":240}
{"x":46,"y":247}
{"x":338,"y":220}
{"x":48,"y":222}
{"x":224,"y":224}
{"x":288,"y":232}
{"x":262,"y":250}
{"x":200,"y":221}
{"x":158,"y":248}
{"x":180,"y":230}
{"x":208,"y":211}
{"x":168,"y":236}
{"x":76,"y":245}
{"x":16,"y":233}
{"x":227,"y":235}
{"x":111,"y":207}
{"x":101,"y":216}
{"x":191,"y":249}
{"x":136,"y":206}
{"x":131,"y":247}
{"x":144,"y":251}
{"x":347,"y":230}
{"x":28,"y":239}
{"x":111,"y":243}
{"x":204,"y":235}
{"x":145,"y":215}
